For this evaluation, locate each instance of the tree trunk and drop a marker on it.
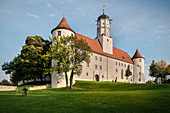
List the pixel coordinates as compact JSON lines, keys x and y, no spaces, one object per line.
{"x":66,"y":77}
{"x":126,"y":77}
{"x":23,"y":81}
{"x":71,"y":79}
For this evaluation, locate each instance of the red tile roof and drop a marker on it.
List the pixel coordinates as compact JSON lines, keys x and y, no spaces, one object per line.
{"x":96,"y":48}
{"x":137,"y":55}
{"x":62,"y":25}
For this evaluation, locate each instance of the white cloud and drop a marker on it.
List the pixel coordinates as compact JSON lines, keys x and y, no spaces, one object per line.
{"x":52,"y":15}
{"x":6,"y":11}
{"x":32,"y":15}
{"x":49,"y":5}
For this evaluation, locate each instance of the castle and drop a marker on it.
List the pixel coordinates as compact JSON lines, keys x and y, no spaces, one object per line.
{"x":107,"y":62}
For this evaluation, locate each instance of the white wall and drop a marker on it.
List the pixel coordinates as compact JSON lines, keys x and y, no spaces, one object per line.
{"x":135,"y":69}
{"x":64,"y":32}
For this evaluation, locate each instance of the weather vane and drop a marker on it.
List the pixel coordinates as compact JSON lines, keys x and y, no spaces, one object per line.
{"x":103,"y":8}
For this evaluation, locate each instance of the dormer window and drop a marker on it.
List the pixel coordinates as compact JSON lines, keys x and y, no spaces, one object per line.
{"x":59,"y":33}
{"x":123,"y":57}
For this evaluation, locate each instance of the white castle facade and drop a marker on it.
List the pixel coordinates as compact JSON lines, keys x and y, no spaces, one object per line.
{"x":107,"y":62}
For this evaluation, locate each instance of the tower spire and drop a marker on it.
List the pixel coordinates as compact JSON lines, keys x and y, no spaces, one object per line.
{"x":103,"y":9}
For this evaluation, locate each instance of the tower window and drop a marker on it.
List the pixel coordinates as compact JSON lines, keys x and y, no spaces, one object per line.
{"x":96,"y":57}
{"x":100,"y":58}
{"x":95,"y":66}
{"x":116,"y":70}
{"x":139,"y":60}
{"x":116,"y":63}
{"x":107,"y":40}
{"x":100,"y":67}
{"x":59,"y":33}
{"x":102,"y":76}
{"x":87,"y":64}
{"x":87,"y":74}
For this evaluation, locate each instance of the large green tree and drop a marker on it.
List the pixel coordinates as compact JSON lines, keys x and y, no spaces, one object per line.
{"x":68,"y":54}
{"x":81,"y":53}
{"x":60,"y":52}
{"x":14,"y":68}
{"x":32,"y":57}
{"x":128,"y":72}
{"x":153,"y":71}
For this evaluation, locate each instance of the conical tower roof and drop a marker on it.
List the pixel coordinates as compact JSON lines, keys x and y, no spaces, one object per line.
{"x":62,"y":25}
{"x":137,"y":55}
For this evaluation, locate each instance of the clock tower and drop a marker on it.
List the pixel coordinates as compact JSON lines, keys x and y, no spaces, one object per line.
{"x":103,"y":33}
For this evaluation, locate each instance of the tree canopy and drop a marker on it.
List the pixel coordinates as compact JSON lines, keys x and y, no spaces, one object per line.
{"x":128,"y":72}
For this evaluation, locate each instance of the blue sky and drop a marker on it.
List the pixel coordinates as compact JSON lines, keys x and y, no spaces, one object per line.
{"x":142,"y":24}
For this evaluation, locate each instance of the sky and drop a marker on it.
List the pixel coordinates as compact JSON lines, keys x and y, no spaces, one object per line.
{"x":137,"y":24}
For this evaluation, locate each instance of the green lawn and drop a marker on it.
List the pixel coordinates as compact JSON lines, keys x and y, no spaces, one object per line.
{"x":90,"y":97}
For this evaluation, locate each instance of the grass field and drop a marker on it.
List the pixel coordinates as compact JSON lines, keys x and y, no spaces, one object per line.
{"x":90,"y":97}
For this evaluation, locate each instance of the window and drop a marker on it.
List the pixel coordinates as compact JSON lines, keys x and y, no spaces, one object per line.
{"x":107,"y":40}
{"x":100,"y":58}
{"x":96,"y":57}
{"x":87,"y":64}
{"x":123,"y":57}
{"x":121,"y":73}
{"x":95,"y":66}
{"x":116,"y":63}
{"x":140,"y":60}
{"x":124,"y":65}
{"x":59,"y":33}
{"x":102,"y":76}
{"x":87,"y":74}
{"x":71,"y":34}
{"x":131,"y":66}
{"x":100,"y":67}
{"x":119,"y":63}
{"x":116,"y":70}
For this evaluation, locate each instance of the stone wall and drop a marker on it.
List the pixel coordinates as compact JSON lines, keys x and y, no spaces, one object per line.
{"x":40,"y":87}
{"x":7,"y":88}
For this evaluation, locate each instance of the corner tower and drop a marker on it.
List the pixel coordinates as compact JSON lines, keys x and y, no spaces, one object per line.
{"x":103,"y":33}
{"x":63,"y":29}
{"x":138,"y":68}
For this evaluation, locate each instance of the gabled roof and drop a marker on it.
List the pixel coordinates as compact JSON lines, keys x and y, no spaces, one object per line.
{"x":96,"y":48}
{"x":137,"y":55}
{"x":62,"y":25}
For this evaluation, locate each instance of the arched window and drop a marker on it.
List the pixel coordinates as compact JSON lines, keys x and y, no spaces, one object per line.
{"x":121,"y":73}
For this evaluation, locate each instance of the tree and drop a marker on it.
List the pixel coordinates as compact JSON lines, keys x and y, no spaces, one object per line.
{"x":68,"y":54}
{"x":81,"y":53}
{"x":32,"y":57}
{"x":14,"y":68}
{"x":5,"y":82}
{"x":128,"y":72}
{"x":159,"y":69}
{"x":153,"y":71}
{"x":161,"y":66}
{"x":168,"y":69}
{"x":60,"y":52}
